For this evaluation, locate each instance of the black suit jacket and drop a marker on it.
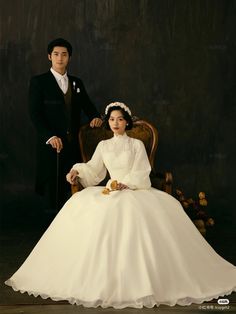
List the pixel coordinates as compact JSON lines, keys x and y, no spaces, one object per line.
{"x":47,"y":111}
{"x":47,"y":106}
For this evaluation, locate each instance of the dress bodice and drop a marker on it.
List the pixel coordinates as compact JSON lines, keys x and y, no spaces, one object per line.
{"x":118,"y":156}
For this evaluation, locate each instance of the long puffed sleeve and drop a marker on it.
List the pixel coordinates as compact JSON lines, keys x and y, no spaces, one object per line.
{"x":94,"y":171}
{"x":138,"y":176}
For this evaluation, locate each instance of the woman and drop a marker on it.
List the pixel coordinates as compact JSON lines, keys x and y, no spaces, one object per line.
{"x":124,"y":245}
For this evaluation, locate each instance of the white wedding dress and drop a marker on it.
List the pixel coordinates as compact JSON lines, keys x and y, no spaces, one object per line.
{"x":135,"y":247}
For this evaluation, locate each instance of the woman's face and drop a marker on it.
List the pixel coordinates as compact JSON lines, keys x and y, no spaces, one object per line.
{"x":117,"y":122}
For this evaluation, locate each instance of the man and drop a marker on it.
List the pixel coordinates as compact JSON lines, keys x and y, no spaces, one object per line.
{"x":56,"y":100}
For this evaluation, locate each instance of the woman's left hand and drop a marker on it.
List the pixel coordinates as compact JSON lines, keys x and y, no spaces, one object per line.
{"x":72,"y":176}
{"x":121,"y":186}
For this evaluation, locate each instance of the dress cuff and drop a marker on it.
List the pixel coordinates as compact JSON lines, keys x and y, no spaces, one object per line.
{"x":50,"y":139}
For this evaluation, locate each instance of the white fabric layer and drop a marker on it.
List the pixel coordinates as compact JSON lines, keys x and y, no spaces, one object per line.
{"x":129,"y":248}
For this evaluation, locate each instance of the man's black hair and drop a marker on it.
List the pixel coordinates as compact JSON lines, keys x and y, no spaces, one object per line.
{"x":59,"y":42}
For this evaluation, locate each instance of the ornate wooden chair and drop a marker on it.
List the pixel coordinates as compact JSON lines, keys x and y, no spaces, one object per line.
{"x":142,"y":130}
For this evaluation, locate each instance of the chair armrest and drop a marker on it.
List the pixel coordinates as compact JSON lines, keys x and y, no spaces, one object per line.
{"x":76,"y":187}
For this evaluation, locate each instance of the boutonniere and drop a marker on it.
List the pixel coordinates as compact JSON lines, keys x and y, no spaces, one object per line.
{"x":74,"y":87}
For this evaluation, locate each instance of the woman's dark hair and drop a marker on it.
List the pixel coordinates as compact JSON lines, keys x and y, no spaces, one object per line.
{"x":59,"y":42}
{"x":125,"y":114}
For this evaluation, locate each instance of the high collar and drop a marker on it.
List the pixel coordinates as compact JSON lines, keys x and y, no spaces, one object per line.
{"x":120,"y":137}
{"x":57,"y":75}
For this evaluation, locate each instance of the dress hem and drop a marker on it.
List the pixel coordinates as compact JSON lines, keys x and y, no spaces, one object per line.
{"x":146,"y":301}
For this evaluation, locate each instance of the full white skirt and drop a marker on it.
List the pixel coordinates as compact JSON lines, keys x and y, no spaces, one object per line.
{"x":128,"y":248}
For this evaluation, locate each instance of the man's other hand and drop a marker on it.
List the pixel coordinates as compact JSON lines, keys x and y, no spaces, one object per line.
{"x":96,"y":122}
{"x":56,"y":143}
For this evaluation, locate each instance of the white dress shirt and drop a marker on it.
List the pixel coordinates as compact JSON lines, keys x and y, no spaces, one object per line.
{"x":62,"y":80}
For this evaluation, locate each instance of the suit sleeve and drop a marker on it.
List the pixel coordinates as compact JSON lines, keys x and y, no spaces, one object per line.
{"x":87,"y":105}
{"x":36,"y":110}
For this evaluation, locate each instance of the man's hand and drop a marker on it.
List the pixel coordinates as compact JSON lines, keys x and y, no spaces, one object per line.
{"x":96,"y":122}
{"x":71,"y":176}
{"x":56,"y":143}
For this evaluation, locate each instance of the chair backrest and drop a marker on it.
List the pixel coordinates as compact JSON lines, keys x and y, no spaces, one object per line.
{"x":142,"y":130}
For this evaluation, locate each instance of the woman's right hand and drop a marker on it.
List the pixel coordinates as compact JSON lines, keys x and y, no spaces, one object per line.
{"x":71,"y":176}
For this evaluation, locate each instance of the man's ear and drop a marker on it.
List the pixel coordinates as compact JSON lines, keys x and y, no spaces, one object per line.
{"x":49,"y":57}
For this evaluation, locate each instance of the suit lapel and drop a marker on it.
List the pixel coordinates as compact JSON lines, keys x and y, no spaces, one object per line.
{"x":54,"y":85}
{"x":73,"y":85}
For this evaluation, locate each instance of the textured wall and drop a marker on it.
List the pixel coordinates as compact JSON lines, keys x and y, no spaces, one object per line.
{"x":173,"y":62}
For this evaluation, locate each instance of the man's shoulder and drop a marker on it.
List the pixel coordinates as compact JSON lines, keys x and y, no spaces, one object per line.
{"x":43,"y":81}
{"x":42,"y":77}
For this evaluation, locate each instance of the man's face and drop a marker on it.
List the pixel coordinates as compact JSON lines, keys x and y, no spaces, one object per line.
{"x":60,"y":59}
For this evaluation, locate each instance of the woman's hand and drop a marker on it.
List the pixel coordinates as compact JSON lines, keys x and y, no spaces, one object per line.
{"x":121,"y":186}
{"x":71,"y":176}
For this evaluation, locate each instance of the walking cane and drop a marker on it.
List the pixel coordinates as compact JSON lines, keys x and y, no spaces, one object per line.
{"x":57,"y":182}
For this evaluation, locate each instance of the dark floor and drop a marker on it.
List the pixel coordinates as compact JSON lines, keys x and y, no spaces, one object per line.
{"x":70,"y":309}
{"x":22,"y":223}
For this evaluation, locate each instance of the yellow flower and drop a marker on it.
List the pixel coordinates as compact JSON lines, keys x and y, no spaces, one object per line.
{"x":199,"y":223}
{"x":190,"y":201}
{"x":178,"y":192}
{"x":210,"y":222}
{"x":201,"y":195}
{"x":185,"y":204}
{"x":114,"y":185}
{"x":203,"y":202}
{"x":105,"y":191}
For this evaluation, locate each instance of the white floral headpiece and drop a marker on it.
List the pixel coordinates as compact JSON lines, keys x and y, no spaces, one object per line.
{"x":118,"y":104}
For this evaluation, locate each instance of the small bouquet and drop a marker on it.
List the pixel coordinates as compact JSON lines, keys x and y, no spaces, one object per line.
{"x":114,"y":187}
{"x":195,"y":209}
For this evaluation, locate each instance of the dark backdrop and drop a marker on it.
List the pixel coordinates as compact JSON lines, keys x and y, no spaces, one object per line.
{"x":173,"y":62}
